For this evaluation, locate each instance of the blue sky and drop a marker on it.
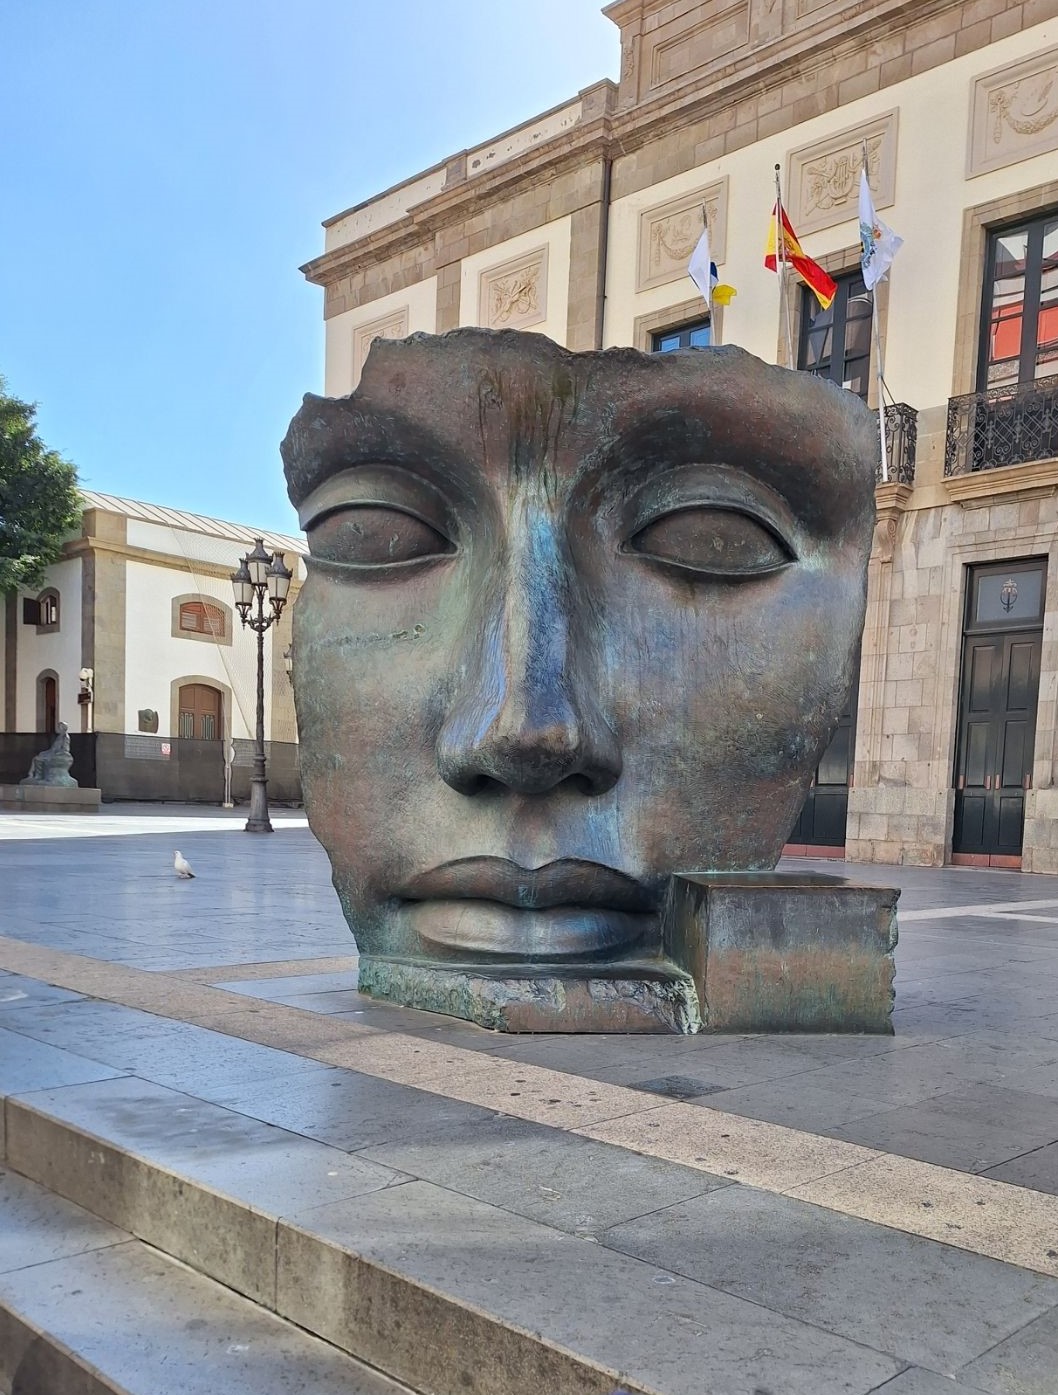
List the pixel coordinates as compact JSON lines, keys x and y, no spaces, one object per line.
{"x":168,"y":165}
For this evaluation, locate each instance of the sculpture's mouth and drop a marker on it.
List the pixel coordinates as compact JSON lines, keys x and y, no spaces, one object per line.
{"x":488,"y":905}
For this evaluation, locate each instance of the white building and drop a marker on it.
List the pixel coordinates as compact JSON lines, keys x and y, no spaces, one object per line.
{"x":143,"y":598}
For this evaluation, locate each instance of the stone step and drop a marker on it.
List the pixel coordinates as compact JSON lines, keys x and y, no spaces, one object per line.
{"x":443,"y":1292}
{"x":366,"y":1259}
{"x":85,"y":1309}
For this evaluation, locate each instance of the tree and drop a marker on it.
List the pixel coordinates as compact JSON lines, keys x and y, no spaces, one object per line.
{"x":39,"y":499}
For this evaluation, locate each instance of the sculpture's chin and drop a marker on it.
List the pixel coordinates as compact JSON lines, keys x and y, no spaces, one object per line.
{"x":489,"y":928}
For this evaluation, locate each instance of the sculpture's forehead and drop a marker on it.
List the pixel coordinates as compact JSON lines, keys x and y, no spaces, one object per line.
{"x":514,"y":404}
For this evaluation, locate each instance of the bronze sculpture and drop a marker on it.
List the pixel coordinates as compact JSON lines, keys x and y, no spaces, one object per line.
{"x":573,"y":623}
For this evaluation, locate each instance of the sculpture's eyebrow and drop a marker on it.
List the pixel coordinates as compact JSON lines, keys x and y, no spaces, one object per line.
{"x":732,"y":435}
{"x":329,"y":436}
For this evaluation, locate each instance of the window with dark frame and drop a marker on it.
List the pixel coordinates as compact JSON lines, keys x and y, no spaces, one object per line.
{"x":836,"y":343}
{"x":696,"y":335}
{"x":1019,"y":320}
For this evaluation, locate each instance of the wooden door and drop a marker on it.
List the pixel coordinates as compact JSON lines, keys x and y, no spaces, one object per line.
{"x":199,"y":713}
{"x":49,"y":704}
{"x":998,"y":697}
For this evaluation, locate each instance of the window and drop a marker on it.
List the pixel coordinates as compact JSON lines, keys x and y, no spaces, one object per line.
{"x":48,"y":610}
{"x":1019,"y":323}
{"x":697,"y":335}
{"x":836,"y":343}
{"x":202,"y":618}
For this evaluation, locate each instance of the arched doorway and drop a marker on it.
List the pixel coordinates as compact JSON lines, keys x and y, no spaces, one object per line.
{"x":199,"y":713}
{"x":48,"y":703}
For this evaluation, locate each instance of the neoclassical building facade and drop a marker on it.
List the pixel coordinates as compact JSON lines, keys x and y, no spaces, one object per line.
{"x":579,"y":225}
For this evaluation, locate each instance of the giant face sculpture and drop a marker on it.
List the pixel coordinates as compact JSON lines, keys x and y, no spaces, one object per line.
{"x":572,"y":623}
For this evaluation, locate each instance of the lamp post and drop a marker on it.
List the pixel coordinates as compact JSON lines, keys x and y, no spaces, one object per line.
{"x":260,"y":573}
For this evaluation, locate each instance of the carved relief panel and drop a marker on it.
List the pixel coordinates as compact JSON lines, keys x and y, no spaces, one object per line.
{"x":513,"y":295}
{"x":1014,"y":114}
{"x":669,"y":231}
{"x":391,"y":326}
{"x":823,"y":179}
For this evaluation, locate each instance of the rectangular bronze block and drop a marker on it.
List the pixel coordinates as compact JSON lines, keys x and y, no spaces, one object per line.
{"x":784,"y":952}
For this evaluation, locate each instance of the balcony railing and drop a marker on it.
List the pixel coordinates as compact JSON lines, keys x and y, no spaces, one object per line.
{"x":1002,"y":426}
{"x":901,"y":441}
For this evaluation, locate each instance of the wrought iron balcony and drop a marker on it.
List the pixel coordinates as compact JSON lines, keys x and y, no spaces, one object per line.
{"x":901,"y":441}
{"x":1002,"y":426}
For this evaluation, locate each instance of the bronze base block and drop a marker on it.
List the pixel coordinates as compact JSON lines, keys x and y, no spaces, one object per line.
{"x":784,"y":952}
{"x":589,"y":998}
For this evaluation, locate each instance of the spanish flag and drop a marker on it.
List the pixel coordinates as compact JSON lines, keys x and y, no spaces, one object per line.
{"x":811,"y":273}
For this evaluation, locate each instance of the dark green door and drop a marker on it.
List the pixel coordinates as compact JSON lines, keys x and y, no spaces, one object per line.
{"x":824,"y":814}
{"x":997,"y":709}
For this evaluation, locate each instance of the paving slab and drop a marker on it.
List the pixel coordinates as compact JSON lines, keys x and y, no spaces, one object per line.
{"x":38,"y":1227}
{"x":918,"y":1300}
{"x":346,"y":1109}
{"x":1024,"y":1364}
{"x":972,"y":1129}
{"x":563,"y":1181}
{"x":916,"y":1381}
{"x":26,"y":1064}
{"x":152,"y":1326}
{"x":169,"y":1052}
{"x":1037,"y":1169}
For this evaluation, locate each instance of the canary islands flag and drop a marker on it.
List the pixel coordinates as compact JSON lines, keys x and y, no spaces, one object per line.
{"x":822,"y":286}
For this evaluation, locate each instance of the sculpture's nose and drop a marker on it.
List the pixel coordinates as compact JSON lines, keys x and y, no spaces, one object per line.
{"x":526,"y":714}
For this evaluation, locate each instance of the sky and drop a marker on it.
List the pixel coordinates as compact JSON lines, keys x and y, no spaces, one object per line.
{"x":168,"y":164}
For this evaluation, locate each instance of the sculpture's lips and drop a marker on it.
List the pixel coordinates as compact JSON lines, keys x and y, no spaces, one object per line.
{"x":568,"y":883}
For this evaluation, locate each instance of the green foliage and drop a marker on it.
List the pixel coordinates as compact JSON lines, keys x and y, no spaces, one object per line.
{"x":39,"y":500}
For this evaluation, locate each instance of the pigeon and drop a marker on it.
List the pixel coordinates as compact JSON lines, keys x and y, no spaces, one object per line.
{"x":181,"y":866}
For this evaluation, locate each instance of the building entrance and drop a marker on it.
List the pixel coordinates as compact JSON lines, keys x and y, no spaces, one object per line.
{"x":997,"y":711}
{"x":824,"y":814}
{"x":199,"y":709}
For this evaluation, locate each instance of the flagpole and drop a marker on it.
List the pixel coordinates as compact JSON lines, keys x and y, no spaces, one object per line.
{"x":780,"y":252}
{"x":714,"y":327}
{"x":877,"y":349}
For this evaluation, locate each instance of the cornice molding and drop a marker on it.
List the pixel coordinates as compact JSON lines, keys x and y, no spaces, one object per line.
{"x":614,"y":134}
{"x":83,"y":547}
{"x":586,"y":145}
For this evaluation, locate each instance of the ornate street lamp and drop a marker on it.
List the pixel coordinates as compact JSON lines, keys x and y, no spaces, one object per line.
{"x":260,"y":573}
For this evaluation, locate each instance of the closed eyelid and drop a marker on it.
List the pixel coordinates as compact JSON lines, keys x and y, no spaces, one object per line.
{"x":711,"y":487}
{"x":380,"y":486}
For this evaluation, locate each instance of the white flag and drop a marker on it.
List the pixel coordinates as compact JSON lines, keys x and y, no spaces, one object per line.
{"x":701,"y":269}
{"x":880,"y":244}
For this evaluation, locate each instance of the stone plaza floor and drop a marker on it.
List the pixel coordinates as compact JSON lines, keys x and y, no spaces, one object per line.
{"x":750,"y":1215}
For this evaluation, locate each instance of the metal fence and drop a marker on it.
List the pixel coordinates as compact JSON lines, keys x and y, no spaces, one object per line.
{"x":1003,"y":426}
{"x":134,"y":767}
{"x":901,"y":442}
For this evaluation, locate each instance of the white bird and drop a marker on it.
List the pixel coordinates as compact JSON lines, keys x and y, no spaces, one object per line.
{"x":181,"y":866}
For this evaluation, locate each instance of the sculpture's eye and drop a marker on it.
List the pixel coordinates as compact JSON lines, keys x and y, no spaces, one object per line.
{"x":372,"y":535}
{"x":713,"y":542}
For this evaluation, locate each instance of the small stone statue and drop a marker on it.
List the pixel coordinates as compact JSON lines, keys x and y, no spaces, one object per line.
{"x":52,"y":767}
